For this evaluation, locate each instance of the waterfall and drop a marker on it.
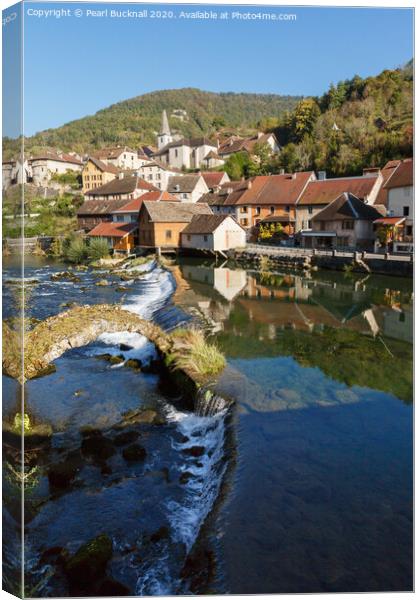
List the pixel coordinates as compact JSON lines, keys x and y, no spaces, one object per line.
{"x":208,"y":404}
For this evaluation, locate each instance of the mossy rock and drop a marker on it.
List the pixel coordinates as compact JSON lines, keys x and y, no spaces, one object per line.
{"x":48,"y":370}
{"x":102,"y":283}
{"x":111,"y":358}
{"x":121,"y":289}
{"x":134,"y":363}
{"x":134,"y":453}
{"x":37,"y":435}
{"x":88,"y":563}
{"x":143,"y":415}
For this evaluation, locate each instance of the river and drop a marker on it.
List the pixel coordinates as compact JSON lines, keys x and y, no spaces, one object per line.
{"x":304,"y":484}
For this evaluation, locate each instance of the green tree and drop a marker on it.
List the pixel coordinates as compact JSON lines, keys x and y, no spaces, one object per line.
{"x":98,"y":248}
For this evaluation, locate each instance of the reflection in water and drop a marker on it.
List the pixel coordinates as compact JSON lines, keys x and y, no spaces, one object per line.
{"x":322,"y":497}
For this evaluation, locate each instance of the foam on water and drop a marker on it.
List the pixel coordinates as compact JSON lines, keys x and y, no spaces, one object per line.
{"x":203,"y":487}
{"x":158,"y":287}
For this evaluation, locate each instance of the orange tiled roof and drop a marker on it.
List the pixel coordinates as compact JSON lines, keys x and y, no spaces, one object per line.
{"x":111,"y":229}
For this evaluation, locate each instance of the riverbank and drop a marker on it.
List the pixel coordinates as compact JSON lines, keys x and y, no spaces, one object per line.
{"x":266,"y":257}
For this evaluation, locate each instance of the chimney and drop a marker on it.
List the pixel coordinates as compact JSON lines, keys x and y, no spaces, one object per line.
{"x":177,"y":187}
{"x":371,"y":171}
{"x":322,"y":175}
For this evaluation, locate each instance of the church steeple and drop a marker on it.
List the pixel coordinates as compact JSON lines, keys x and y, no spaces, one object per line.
{"x":165,"y":136}
{"x":165,"y":124}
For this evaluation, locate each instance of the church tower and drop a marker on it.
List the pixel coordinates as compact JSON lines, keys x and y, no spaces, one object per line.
{"x":164,"y":137}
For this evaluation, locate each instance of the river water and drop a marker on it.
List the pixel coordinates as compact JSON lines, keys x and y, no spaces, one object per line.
{"x":304,"y":484}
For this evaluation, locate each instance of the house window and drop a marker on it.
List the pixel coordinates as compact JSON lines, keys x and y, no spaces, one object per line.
{"x":322,"y":226}
{"x":309,"y":224}
{"x":310,"y":208}
{"x":258,"y":210}
{"x":120,"y":218}
{"x":287,"y":209}
{"x":407,"y":191}
{"x":409,"y":230}
{"x":348,"y":225}
{"x":168,"y":234}
{"x":244,"y":209}
{"x":406,"y":210}
{"x":185,"y":196}
{"x":272,"y":210}
{"x":206,"y":237}
{"x":176,"y":153}
{"x":244,"y":222}
{"x":189,"y":237}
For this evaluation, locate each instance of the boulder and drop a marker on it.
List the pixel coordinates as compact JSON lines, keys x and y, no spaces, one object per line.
{"x":98,"y":447}
{"x":143,"y":415}
{"x":62,"y":474}
{"x":133,"y":363}
{"x":102,"y":283}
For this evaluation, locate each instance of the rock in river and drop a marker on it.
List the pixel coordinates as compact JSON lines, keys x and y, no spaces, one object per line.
{"x":89,"y":563}
{"x":134,"y":453}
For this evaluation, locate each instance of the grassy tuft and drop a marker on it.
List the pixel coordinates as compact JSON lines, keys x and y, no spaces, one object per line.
{"x":192,"y":353}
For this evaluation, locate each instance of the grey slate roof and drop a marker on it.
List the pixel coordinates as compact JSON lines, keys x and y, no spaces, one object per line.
{"x":347,"y":206}
{"x":186,"y":183}
{"x":100,"y":207}
{"x":126,"y":185}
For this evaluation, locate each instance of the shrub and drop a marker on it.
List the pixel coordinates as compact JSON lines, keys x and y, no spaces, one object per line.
{"x":97,"y":249}
{"x":76,"y":251}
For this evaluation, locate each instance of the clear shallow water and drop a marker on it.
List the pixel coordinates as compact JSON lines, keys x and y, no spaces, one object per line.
{"x":307,"y":482}
{"x":321,"y":495}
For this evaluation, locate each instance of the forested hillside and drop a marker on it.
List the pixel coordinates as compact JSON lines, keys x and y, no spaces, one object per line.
{"x":357,"y":123}
{"x":136,"y":121}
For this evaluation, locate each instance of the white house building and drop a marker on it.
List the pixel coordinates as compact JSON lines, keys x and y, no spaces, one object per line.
{"x":121,"y":157}
{"x":158,"y":174}
{"x":187,"y":188}
{"x":44,"y":166}
{"x":217,"y":233}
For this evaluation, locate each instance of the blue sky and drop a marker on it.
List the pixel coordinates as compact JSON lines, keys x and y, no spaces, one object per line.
{"x":76,"y":66}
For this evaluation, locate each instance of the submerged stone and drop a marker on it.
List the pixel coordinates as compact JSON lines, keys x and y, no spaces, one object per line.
{"x":98,"y":447}
{"x":89,"y":562}
{"x":134,"y":363}
{"x":102,"y":283}
{"x":126,"y":437}
{"x":161,"y":534}
{"x":134,"y":453}
{"x":62,"y":474}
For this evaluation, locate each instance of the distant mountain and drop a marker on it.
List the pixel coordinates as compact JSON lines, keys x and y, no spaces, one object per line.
{"x":191,"y":112}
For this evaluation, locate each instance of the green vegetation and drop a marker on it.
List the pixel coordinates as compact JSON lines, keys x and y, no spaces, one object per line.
{"x":357,"y":123}
{"x":267,"y":231}
{"x":98,"y":248}
{"x":191,"y":352}
{"x":134,"y":122}
{"x":76,"y":251}
{"x":70,"y":178}
{"x":54,"y":215}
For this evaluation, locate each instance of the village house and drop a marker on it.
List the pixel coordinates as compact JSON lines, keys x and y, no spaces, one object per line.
{"x":215,"y":179}
{"x":161,"y":223}
{"x":121,"y":238}
{"x":345,"y":224}
{"x":121,"y":157}
{"x":216,"y":233}
{"x":15,"y":172}
{"x":187,"y":188}
{"x":129,"y":213}
{"x":97,"y":173}
{"x":319,"y":193}
{"x":124,"y":187}
{"x":398,"y":198}
{"x":261,"y":199}
{"x":158,"y":174}
{"x":212,"y":160}
{"x":181,"y":152}
{"x":93,"y":212}
{"x":235,"y":144}
{"x":47,"y":164}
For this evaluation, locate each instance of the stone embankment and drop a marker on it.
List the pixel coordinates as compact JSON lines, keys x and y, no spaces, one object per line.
{"x":269,"y":258}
